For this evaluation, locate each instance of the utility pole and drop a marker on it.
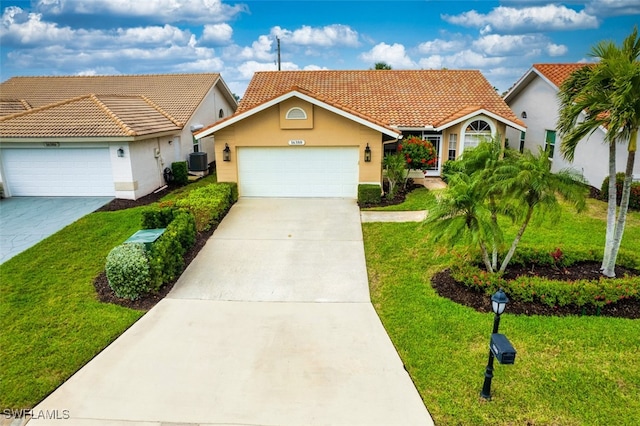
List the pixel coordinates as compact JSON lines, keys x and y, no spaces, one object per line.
{"x":278,"y":39}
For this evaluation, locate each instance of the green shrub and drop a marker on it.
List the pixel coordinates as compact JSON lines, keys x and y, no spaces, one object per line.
{"x":634,"y":197}
{"x":396,"y":171}
{"x":369,"y":194}
{"x":127,"y":270}
{"x":234,"y":191}
{"x":157,"y":217}
{"x":180,"y":172}
{"x":450,"y":167}
{"x":550,"y":292}
{"x":207,"y":204}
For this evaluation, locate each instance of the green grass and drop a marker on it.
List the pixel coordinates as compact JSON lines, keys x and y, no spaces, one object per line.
{"x":51,"y":322}
{"x":568,"y":370}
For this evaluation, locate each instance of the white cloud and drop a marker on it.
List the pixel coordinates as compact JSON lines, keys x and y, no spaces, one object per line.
{"x":613,"y":7}
{"x":461,"y":60}
{"x":314,"y":68}
{"x":152,"y":35}
{"x":201,"y":65}
{"x":517,"y":45}
{"x":203,"y":11}
{"x":98,"y":71}
{"x":327,"y":36}
{"x":22,"y":28}
{"x":537,"y":18}
{"x":394,"y":55}
{"x":261,"y":49}
{"x":440,"y":46}
{"x":217,"y":33}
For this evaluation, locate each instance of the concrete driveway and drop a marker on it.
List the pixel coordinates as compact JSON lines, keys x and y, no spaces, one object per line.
{"x":25,"y":221}
{"x":270,"y":325}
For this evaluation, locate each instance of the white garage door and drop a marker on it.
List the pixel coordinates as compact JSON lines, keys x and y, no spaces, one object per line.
{"x":298,"y":172}
{"x":58,"y":172}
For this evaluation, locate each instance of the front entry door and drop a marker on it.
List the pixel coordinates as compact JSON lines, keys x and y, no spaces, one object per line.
{"x":436,"y":142}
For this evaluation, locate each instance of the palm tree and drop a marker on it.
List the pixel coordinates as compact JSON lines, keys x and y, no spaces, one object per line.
{"x":608,"y":94}
{"x":529,"y":181}
{"x":460,"y":214}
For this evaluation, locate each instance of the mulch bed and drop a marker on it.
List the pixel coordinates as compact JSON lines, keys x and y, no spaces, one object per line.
{"x":447,"y":287}
{"x":401,"y":195}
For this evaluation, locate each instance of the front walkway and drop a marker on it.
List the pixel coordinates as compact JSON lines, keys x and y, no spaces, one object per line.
{"x":270,"y":325}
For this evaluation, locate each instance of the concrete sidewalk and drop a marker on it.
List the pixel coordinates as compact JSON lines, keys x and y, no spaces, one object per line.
{"x":242,"y":341}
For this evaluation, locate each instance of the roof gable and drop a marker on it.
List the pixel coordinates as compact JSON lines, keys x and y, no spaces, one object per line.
{"x":89,"y":116}
{"x":553,"y":74}
{"x":310,"y":97}
{"x":177,"y":94}
{"x":398,"y":98}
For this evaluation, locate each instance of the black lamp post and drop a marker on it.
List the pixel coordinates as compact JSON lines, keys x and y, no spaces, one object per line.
{"x":499,"y":302}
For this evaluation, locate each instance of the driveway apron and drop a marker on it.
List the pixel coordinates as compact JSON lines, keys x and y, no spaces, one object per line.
{"x":25,"y":221}
{"x":271,"y":324}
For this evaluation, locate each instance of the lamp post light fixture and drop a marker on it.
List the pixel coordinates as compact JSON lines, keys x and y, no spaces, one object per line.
{"x":499,"y":346}
{"x":226,"y":153}
{"x":367,"y":154}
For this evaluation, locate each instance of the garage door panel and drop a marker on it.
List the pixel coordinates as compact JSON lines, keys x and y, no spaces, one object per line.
{"x":58,"y":172}
{"x":298,"y":172}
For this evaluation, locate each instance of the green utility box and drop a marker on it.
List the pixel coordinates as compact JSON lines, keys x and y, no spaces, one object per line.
{"x":146,"y":236}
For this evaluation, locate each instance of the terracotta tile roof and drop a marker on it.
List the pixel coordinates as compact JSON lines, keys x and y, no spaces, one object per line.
{"x":557,"y":73}
{"x":178,"y":95}
{"x":89,"y":116}
{"x":399,"y":98}
{"x":12,"y":106}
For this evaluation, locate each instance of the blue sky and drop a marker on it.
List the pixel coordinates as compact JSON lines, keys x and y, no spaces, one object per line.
{"x":500,"y":38}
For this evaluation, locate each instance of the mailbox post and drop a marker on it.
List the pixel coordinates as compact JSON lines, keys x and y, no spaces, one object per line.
{"x":499,"y":346}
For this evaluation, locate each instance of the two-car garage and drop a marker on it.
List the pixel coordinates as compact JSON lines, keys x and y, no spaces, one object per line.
{"x":57,"y":171}
{"x":298,"y":171}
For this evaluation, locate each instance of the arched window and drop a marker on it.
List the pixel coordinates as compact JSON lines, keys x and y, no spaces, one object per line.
{"x":221,"y":113}
{"x":296,"y":113}
{"x":475,"y":132}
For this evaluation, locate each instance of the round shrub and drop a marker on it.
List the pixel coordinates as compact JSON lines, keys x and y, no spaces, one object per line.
{"x":127,"y":270}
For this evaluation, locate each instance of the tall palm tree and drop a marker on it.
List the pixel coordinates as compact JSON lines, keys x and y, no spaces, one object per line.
{"x":607,"y":94}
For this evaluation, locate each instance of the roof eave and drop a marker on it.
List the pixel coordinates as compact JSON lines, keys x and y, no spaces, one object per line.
{"x":485,"y":112}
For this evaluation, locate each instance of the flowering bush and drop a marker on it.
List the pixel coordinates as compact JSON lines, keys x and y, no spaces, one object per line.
{"x":419,"y":154}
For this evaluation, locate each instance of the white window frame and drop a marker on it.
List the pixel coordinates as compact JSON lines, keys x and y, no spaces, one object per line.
{"x":453,"y":142}
{"x":476,"y":135}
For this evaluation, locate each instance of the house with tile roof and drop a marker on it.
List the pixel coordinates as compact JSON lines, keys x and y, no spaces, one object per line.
{"x":105,"y":135}
{"x":534,"y":98}
{"x":322,"y":133}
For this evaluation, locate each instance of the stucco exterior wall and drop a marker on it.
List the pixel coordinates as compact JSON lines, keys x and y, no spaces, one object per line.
{"x":539,"y":100}
{"x":263,"y":129}
{"x":146,"y":166}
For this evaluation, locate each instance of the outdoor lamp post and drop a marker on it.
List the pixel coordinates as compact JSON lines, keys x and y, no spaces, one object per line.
{"x":499,"y":302}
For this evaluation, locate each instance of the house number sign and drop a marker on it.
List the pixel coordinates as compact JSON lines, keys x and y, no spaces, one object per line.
{"x":296,"y":142}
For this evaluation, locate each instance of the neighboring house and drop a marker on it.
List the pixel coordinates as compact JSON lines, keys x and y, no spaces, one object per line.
{"x":535,"y":99}
{"x":310,"y":133}
{"x":104,"y":135}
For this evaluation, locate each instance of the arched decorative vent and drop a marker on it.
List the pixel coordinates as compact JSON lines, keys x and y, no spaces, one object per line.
{"x":221,"y":113}
{"x":478,"y":126}
{"x":296,"y":113}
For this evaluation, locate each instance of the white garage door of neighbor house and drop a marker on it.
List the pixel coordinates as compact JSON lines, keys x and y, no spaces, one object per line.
{"x":298,"y":171}
{"x":58,"y":172}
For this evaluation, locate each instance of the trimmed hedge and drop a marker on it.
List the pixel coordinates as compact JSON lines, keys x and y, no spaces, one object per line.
{"x":634,"y":197}
{"x":128,"y":270}
{"x":207,"y":204}
{"x":157,"y":217}
{"x":180,"y":172}
{"x":369,"y":194}
{"x":554,"y":292}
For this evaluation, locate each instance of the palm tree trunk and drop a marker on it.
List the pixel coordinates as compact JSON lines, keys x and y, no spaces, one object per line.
{"x":516,"y":240}
{"x":609,"y":270}
{"x":485,"y":256}
{"x":494,"y":220}
{"x":611,"y":207}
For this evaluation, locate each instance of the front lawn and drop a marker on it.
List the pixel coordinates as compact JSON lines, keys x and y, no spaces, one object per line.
{"x":51,"y":322}
{"x":568,"y":370}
